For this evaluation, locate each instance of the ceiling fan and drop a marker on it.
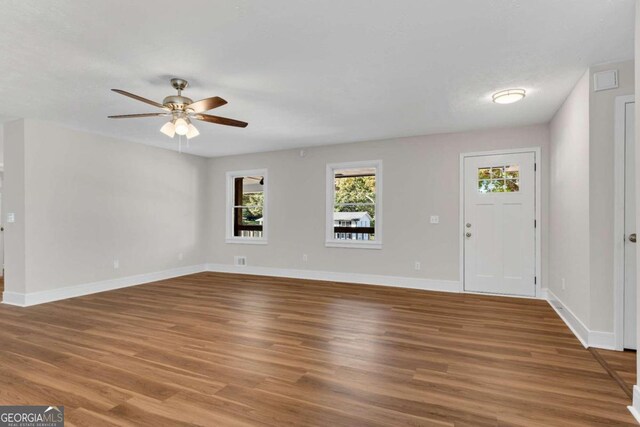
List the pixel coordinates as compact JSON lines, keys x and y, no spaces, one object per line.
{"x":181,"y":110}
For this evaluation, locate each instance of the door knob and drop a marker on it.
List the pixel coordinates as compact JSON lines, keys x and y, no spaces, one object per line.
{"x":632,"y":237}
{"x":469,"y":235}
{"x":468,"y":225}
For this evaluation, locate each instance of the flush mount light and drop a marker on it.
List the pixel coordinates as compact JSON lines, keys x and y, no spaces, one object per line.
{"x":508,"y":96}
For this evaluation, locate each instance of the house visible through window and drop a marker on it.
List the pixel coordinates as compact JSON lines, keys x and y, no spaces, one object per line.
{"x":246,"y":211}
{"x":355,"y":204}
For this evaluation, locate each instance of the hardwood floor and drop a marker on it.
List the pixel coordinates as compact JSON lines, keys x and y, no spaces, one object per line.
{"x":231,"y":350}
{"x":621,"y":366}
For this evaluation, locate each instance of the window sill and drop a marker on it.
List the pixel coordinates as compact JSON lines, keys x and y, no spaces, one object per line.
{"x":353,"y":244}
{"x":246,"y":241}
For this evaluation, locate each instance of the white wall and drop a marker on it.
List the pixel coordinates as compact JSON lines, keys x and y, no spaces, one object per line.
{"x":91,"y":199}
{"x":636,"y":388}
{"x":582,"y":206}
{"x":13,"y":201}
{"x":569,"y":201}
{"x":1,"y":144}
{"x":601,"y":191}
{"x":421,"y":178}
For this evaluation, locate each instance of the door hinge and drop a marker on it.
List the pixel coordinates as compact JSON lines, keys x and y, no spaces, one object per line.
{"x":535,"y":280}
{"x":535,"y":167}
{"x":535,"y":223}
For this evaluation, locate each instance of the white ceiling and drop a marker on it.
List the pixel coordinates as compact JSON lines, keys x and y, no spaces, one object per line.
{"x":303,"y":72}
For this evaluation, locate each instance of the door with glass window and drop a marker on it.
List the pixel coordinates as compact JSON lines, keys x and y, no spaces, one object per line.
{"x":499,"y":224}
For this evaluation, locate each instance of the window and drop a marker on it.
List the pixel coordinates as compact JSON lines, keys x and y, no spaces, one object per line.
{"x":354,"y":213}
{"x":247,"y":207}
{"x":499,"y":179}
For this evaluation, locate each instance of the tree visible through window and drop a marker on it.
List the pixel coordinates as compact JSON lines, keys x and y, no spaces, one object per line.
{"x":248,"y":206}
{"x":354,"y":209}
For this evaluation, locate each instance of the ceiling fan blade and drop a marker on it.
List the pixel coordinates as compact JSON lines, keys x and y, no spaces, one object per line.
{"x":139,"y":98}
{"x":220,"y":120}
{"x":135,"y":116}
{"x":206,"y":104}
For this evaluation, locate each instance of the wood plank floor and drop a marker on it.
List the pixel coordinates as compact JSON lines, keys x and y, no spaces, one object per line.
{"x":621,"y":366}
{"x":230,"y":350}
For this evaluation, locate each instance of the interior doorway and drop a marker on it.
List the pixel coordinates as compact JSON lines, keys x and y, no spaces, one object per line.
{"x":625,"y":246}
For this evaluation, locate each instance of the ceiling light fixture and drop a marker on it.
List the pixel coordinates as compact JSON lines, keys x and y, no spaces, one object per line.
{"x":193,"y":132}
{"x":509,"y":96}
{"x":182,"y":126}
{"x":168,"y":129}
{"x":181,"y":110}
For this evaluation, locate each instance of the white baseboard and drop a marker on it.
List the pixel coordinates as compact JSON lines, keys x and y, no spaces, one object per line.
{"x":587,"y":337}
{"x":635,"y":408}
{"x":605,"y":340}
{"x":573,"y":322}
{"x":365,"y":279}
{"x":34,"y":298}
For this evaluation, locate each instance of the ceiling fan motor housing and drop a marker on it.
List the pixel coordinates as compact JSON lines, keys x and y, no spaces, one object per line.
{"x":176,"y":102}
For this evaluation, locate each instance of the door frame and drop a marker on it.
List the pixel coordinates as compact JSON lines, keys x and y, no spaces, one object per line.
{"x":537,"y":203}
{"x":618,"y":217}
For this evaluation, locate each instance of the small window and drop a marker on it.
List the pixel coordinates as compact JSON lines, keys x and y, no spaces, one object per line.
{"x":499,"y":179}
{"x":246,"y":207}
{"x":354,"y":217}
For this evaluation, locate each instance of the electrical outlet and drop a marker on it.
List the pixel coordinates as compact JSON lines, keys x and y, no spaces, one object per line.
{"x":240,"y":260}
{"x":180,"y":256}
{"x":416,"y":265}
{"x":11,"y":217}
{"x":116,"y":264}
{"x":435,"y":219}
{"x":305,"y":258}
{"x":564,"y":285}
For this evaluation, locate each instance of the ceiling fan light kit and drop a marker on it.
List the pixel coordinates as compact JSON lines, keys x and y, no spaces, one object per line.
{"x":168,"y":129}
{"x":181,"y":110}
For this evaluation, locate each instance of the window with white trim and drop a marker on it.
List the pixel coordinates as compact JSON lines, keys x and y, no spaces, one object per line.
{"x":247,"y":206}
{"x":354,"y":204}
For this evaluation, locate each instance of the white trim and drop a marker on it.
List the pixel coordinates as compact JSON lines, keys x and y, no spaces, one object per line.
{"x":605,"y":340}
{"x":247,"y":240}
{"x":229,"y":237}
{"x":330,"y":276}
{"x":635,"y":408}
{"x":330,"y":242}
{"x":587,"y":337}
{"x":354,"y":244}
{"x":34,"y":298}
{"x":571,"y":320}
{"x":618,"y":218}
{"x":492,"y":294}
{"x":539,"y":293}
{"x":544,"y":294}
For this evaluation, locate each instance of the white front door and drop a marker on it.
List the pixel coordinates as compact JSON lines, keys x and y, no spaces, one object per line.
{"x":629,"y":228}
{"x":499,"y":228}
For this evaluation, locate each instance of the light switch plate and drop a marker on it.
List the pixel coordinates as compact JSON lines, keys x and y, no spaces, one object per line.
{"x":435,"y":219}
{"x":11,"y":217}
